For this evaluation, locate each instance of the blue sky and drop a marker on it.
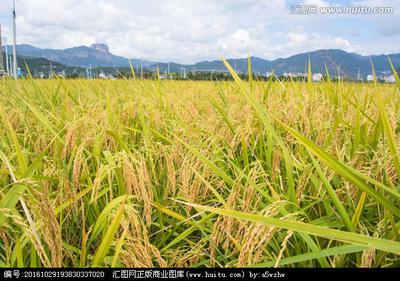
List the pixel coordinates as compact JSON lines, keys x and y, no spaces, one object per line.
{"x":188,"y":31}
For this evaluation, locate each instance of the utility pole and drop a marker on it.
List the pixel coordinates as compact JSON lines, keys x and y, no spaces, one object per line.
{"x":11,"y":65}
{"x":8,"y":68}
{"x":183,"y":72}
{"x":141,"y":69}
{"x":50,"y":69}
{"x":15,"y":68}
{"x":1,"y":56}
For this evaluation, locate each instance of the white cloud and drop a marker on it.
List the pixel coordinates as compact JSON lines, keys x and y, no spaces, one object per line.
{"x":188,"y":31}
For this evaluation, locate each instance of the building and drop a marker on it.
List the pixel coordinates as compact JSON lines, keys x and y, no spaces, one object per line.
{"x":317,"y":77}
{"x":389,"y":79}
{"x":296,"y":75}
{"x":102,"y":75}
{"x":370,"y":78}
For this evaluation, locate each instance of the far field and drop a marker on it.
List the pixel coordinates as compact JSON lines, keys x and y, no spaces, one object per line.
{"x":132,"y":173}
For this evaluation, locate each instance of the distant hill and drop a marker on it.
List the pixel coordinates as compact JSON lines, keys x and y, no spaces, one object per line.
{"x":41,"y":66}
{"x":96,"y":55}
{"x":337,"y":61}
{"x":347,"y":64}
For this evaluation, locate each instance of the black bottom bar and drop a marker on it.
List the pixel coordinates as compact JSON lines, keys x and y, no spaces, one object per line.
{"x":195,"y":273}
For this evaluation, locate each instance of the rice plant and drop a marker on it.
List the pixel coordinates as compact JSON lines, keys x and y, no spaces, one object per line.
{"x":142,"y":173}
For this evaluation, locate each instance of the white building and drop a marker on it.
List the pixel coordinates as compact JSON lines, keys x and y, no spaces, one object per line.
{"x":389,"y":79}
{"x":317,"y":77}
{"x":103,"y":76}
{"x":296,"y":74}
{"x":370,"y":78}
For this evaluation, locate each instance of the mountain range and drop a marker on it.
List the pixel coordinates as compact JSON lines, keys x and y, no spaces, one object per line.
{"x":97,"y":55}
{"x":337,"y":61}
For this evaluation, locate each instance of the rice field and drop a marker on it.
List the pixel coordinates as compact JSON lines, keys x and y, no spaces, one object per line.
{"x":154,"y":173}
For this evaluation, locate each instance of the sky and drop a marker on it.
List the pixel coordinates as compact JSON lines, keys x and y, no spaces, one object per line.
{"x":188,"y":31}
